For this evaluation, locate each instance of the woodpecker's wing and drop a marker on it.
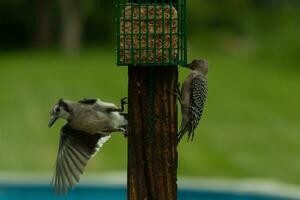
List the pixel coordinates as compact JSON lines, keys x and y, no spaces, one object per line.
{"x":75,"y":150}
{"x":197,"y":98}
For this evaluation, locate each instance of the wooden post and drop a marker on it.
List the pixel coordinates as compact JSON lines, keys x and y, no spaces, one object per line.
{"x":152,"y":140}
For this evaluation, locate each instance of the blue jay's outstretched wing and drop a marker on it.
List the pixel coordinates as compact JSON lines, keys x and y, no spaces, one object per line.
{"x":75,"y":150}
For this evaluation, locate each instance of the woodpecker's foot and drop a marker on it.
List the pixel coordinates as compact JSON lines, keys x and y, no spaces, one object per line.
{"x":178,"y":87}
{"x":173,"y":92}
{"x":176,"y":92}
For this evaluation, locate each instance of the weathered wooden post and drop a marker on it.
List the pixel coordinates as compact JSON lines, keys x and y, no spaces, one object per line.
{"x":151,"y":40}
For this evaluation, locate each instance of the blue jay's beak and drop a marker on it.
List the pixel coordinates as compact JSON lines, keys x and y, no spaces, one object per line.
{"x":52,"y":121}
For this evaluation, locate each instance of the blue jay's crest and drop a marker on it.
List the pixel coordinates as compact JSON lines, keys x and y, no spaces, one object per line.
{"x":60,"y":110}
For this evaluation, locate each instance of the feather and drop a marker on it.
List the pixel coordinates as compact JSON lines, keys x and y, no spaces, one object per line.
{"x":75,"y":150}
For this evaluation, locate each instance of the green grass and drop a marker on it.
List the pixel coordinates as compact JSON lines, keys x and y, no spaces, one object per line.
{"x":250,"y":127}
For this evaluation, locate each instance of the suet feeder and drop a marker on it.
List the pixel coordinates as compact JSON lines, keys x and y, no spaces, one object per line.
{"x":151,"y":32}
{"x":151,"y":40}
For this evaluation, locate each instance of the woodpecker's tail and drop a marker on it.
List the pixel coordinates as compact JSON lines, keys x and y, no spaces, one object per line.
{"x":182,"y":132}
{"x":180,"y":135}
{"x":187,"y":129}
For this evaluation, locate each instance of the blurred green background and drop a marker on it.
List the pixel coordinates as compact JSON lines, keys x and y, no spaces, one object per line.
{"x":251,"y":124}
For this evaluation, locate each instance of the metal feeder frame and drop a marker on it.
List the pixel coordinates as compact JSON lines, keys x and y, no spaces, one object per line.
{"x":142,"y":37}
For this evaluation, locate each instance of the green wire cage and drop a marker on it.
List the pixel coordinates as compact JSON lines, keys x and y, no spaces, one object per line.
{"x":151,"y":32}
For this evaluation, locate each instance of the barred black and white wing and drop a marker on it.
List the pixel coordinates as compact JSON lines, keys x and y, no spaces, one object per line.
{"x":75,"y":150}
{"x":197,"y":99}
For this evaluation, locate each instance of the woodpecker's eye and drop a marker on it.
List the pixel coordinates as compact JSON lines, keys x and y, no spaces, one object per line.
{"x":57,"y":109}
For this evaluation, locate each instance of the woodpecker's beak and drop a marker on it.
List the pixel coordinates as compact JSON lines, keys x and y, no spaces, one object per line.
{"x":52,"y":121}
{"x":187,"y":65}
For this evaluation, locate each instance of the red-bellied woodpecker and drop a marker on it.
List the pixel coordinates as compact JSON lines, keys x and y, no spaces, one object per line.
{"x":90,"y":123}
{"x":192,"y":98}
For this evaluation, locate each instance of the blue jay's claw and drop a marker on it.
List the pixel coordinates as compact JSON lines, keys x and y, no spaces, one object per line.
{"x":125,"y":133}
{"x":124,"y":101}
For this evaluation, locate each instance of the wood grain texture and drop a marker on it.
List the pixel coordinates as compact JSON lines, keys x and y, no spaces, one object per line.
{"x":152,"y":140}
